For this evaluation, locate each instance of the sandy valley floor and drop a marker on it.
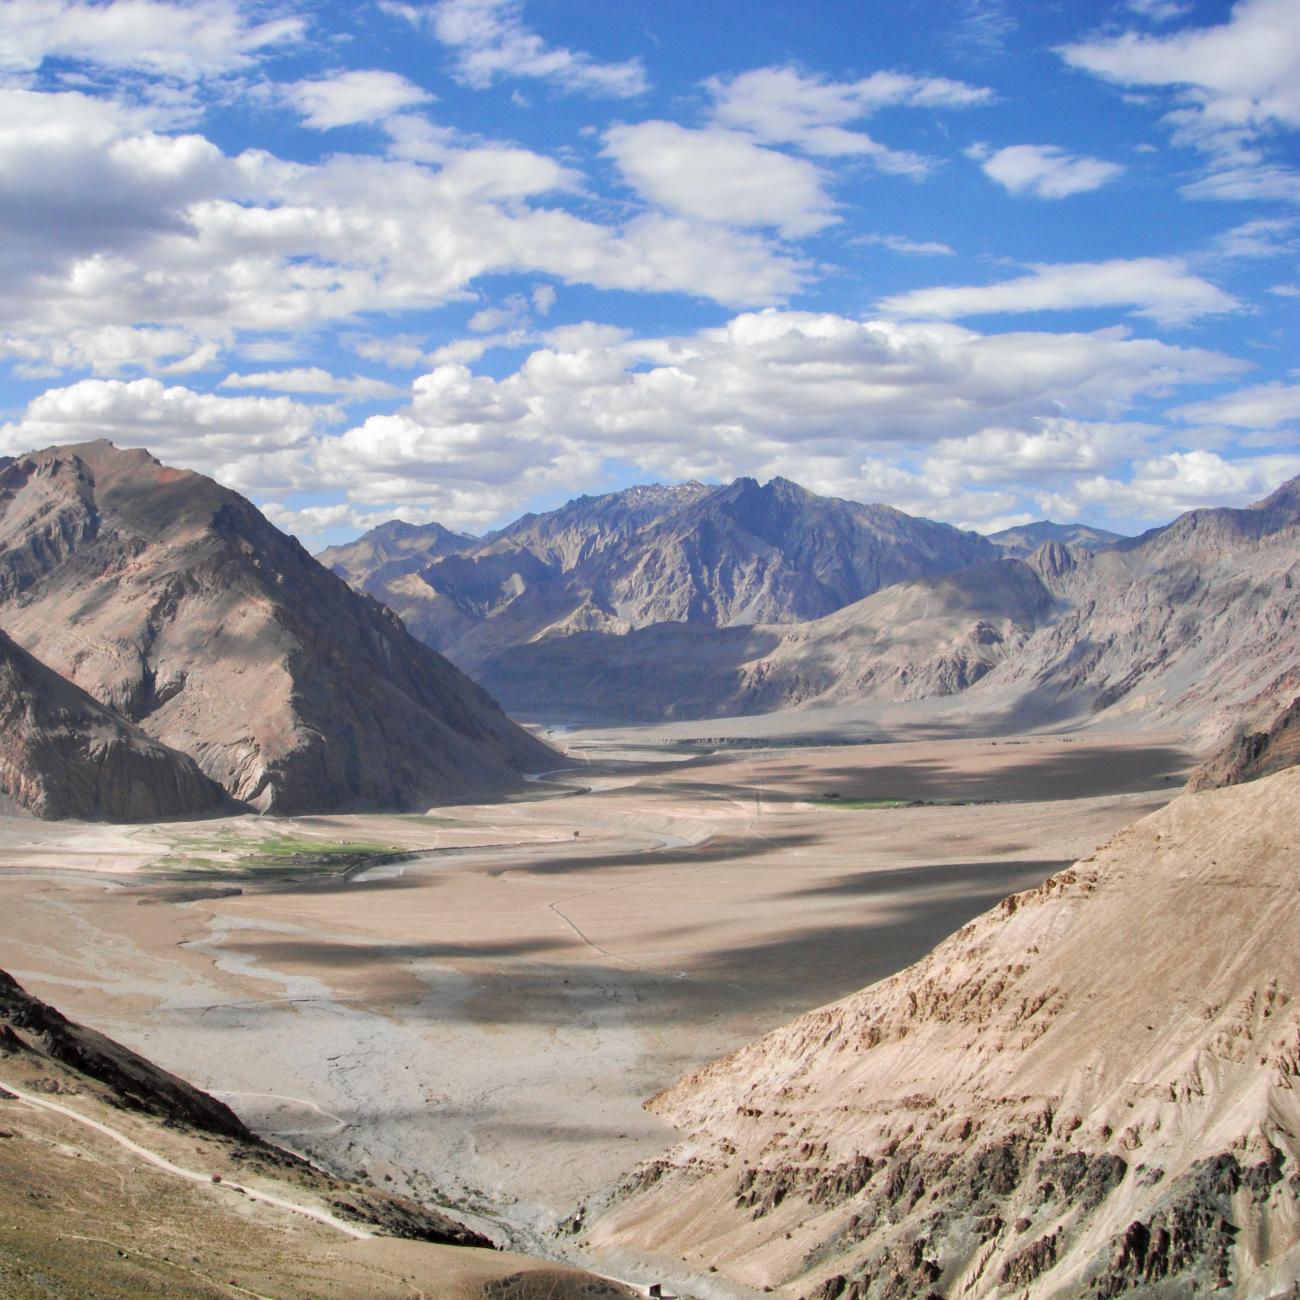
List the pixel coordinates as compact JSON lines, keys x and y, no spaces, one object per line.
{"x":482,"y":1021}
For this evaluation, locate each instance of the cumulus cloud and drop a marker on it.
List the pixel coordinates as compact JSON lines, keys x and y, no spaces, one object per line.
{"x":1161,"y":288}
{"x":720,"y":176}
{"x":1049,"y":450}
{"x":782,"y":105}
{"x":110,"y":349}
{"x":1263,"y":407}
{"x":110,"y":222}
{"x":183,"y":41}
{"x":491,"y":41}
{"x":249,"y":443}
{"x":1244,"y":73}
{"x":776,"y":392}
{"x":1163,"y":486}
{"x":1044,"y":171}
{"x":361,"y":95}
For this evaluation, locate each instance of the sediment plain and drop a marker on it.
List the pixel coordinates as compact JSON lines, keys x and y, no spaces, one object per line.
{"x":471,"y":1006}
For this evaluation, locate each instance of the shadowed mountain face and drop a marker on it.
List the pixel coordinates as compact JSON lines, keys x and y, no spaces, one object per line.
{"x":1089,"y":1091}
{"x":1190,"y":624}
{"x":1024,"y":540}
{"x":724,"y":557}
{"x":63,"y":754}
{"x":173,"y":601}
{"x":934,"y":636}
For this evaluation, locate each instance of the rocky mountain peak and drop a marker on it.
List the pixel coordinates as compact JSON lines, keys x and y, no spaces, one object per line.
{"x":174,"y":601}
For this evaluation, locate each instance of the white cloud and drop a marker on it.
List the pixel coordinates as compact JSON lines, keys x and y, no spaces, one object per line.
{"x":1164,"y":486}
{"x":362,"y":95}
{"x":110,"y":349}
{"x":1250,"y":181}
{"x":491,"y":41}
{"x":246,"y":442}
{"x":1049,"y":450}
{"x":901,"y":244}
{"x":782,"y":105}
{"x":1235,"y":80}
{"x":312,"y":379}
{"x":796,"y":393}
{"x":1263,"y":237}
{"x":109,"y":223}
{"x":1159,"y":11}
{"x":1044,"y":170}
{"x":1161,"y":288}
{"x":721,"y":176}
{"x":1263,"y":407}
{"x":184,"y":41}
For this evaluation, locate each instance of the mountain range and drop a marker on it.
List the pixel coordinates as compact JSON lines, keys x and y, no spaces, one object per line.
{"x":730,"y":556}
{"x":681,"y":603}
{"x":178,"y":607}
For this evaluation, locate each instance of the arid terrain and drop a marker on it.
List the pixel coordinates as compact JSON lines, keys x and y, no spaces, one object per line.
{"x":472,"y":1006}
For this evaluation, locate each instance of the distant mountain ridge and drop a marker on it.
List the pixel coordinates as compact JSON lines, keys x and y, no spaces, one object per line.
{"x":1193,"y":623}
{"x":1025,"y":539}
{"x":729,"y":556}
{"x":173,"y":601}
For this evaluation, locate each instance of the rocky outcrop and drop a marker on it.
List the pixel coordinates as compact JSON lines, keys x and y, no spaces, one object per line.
{"x":62,"y":754}
{"x":1252,"y":754}
{"x":1088,"y":1090}
{"x":173,"y":601}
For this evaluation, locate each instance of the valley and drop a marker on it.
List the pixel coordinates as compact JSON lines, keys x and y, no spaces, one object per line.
{"x":471,"y":1006}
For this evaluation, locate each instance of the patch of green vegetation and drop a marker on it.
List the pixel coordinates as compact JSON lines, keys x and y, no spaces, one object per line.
{"x":837,"y":801}
{"x":273,"y":856}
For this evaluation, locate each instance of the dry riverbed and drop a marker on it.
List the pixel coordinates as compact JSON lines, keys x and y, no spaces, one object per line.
{"x":472,"y":1006}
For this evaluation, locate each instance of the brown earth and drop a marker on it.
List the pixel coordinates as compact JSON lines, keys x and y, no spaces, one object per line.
{"x":1087,"y":1091}
{"x":483,"y":1022}
{"x":95,"y":1146}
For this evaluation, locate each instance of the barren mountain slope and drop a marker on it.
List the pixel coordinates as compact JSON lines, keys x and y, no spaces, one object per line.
{"x":723,"y":557}
{"x":1253,"y":754}
{"x":393,"y":548}
{"x":1090,"y":1089}
{"x":1196,"y":623}
{"x":172,"y":600}
{"x":933,"y":636}
{"x":119,"y":1179}
{"x":63,"y":754}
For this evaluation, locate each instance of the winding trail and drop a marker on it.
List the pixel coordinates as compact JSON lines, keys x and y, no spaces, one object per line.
{"x":190,"y":1175}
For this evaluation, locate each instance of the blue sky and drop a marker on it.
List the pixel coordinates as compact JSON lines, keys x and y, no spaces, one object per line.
{"x":982,"y":260}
